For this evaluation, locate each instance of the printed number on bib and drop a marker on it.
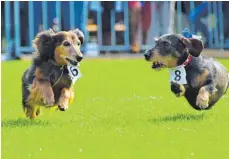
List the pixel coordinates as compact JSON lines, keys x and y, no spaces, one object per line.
{"x":74,"y":73}
{"x":178,"y":74}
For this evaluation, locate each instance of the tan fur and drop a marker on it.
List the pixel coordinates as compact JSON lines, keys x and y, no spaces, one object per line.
{"x":202,"y":99}
{"x":40,"y":93}
{"x":169,"y":60}
{"x":61,"y":52}
{"x":202,"y":77}
{"x":182,"y":88}
{"x":66,"y":97}
{"x":32,"y":111}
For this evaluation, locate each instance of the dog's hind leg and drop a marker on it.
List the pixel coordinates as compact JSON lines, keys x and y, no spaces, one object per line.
{"x":29,"y":110}
{"x":31,"y":105}
{"x":203,"y":97}
{"x":38,"y":111}
{"x":32,"y":111}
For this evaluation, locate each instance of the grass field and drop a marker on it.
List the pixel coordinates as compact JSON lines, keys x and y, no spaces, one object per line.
{"x":122,"y":109}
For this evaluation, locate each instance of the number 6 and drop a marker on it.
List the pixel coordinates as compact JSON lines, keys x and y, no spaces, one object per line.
{"x":74,"y":71}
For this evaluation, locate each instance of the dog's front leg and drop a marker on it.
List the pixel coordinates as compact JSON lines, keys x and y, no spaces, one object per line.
{"x":205,"y":92}
{"x":177,"y":89}
{"x":48,"y":94}
{"x":44,"y":86}
{"x":66,"y":97}
{"x":42,"y":92}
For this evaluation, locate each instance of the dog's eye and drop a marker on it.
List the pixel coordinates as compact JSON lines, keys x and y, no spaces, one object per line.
{"x":66,"y":43}
{"x":165,"y":44}
{"x":78,"y":43}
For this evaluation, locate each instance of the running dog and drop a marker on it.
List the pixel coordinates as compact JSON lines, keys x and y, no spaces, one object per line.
{"x":54,"y":70}
{"x":202,"y":80}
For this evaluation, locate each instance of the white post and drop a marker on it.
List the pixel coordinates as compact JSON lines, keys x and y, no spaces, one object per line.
{"x":171,"y":16}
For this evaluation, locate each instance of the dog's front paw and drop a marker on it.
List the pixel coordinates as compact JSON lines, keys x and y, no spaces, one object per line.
{"x":177,"y":89}
{"x":202,"y":101}
{"x":48,"y":97}
{"x":63,"y":104}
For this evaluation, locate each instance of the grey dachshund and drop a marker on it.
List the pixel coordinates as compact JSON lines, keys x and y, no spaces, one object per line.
{"x":202,"y":80}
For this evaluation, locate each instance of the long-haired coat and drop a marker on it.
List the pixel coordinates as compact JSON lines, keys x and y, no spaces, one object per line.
{"x":49,"y":79}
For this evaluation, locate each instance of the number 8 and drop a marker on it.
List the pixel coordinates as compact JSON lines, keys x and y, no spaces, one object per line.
{"x":178,"y":77}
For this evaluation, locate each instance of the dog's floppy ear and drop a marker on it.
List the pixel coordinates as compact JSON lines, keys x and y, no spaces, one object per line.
{"x":79,"y":34}
{"x":194,"y":46}
{"x":44,"y":44}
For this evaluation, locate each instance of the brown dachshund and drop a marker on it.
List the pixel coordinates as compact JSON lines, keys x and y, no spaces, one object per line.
{"x":54,"y":70}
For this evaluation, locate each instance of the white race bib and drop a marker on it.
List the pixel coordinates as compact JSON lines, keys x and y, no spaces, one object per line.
{"x":74,"y":73}
{"x":178,"y":74}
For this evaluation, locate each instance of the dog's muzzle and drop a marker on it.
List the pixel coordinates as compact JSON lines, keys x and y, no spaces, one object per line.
{"x":147,"y":55}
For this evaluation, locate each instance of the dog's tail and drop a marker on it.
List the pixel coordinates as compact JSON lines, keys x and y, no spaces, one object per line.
{"x":25,"y":91}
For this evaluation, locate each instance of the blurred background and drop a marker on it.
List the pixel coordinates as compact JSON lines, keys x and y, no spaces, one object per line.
{"x":112,"y":27}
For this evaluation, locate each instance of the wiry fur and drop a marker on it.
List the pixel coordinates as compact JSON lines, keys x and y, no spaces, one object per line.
{"x":207,"y":79}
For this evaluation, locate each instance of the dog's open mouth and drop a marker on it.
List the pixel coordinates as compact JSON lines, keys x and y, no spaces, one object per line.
{"x":157,"y":65}
{"x":72,"y":62}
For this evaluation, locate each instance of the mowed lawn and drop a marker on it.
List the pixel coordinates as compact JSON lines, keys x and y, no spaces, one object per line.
{"x":122,"y":110}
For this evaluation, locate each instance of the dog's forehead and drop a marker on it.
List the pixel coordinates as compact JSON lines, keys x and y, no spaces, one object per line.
{"x":72,"y":35}
{"x":63,"y":35}
{"x":171,"y":38}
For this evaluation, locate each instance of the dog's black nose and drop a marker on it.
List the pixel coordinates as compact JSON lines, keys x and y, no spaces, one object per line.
{"x":79,"y":58}
{"x":147,"y":55}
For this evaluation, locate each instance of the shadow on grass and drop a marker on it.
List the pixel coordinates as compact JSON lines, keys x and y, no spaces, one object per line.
{"x":21,"y":122}
{"x":177,"y":118}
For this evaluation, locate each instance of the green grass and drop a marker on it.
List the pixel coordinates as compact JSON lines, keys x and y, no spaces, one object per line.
{"x":122,"y":109}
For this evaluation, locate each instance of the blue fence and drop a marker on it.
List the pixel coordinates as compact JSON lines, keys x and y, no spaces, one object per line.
{"x":205,"y":18}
